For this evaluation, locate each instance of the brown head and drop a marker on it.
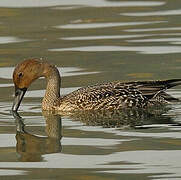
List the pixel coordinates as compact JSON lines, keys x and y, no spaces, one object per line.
{"x":24,"y":74}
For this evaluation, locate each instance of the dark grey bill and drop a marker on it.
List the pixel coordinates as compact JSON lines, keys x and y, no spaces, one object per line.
{"x":19,"y":94}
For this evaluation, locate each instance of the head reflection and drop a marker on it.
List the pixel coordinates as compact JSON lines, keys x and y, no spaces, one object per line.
{"x":30,"y":147}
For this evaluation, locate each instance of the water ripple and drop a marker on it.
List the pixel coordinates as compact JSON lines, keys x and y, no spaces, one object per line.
{"x":157,"y":40}
{"x":40,"y":93}
{"x":93,"y":3}
{"x":154,"y":29}
{"x":9,"y":39}
{"x":138,"y":49}
{"x":8,"y":172}
{"x":106,"y":37}
{"x":154,"y":13}
{"x":104,"y":25}
{"x":153,"y":162}
{"x":118,"y":36}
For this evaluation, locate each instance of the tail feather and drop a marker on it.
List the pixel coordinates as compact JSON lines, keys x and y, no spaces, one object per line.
{"x":172,"y":82}
{"x":167,"y":97}
{"x":151,"y":89}
{"x":169,"y":84}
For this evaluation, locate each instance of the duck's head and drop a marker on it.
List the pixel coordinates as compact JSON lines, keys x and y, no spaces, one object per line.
{"x":24,"y":74}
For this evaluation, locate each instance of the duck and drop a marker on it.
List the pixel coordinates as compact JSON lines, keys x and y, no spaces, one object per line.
{"x":101,"y":96}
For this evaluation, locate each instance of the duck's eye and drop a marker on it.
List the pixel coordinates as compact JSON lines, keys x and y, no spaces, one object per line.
{"x":20,"y":75}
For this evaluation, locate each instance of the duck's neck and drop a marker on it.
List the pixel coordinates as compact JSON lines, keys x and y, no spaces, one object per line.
{"x":52,"y":90}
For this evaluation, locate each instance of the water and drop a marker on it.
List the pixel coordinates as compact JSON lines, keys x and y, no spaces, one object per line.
{"x":90,"y":41}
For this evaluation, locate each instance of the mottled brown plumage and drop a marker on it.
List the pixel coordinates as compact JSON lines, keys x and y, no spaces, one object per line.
{"x":112,"y":95}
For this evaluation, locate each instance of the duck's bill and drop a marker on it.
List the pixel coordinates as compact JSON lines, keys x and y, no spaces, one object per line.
{"x":19,"y":94}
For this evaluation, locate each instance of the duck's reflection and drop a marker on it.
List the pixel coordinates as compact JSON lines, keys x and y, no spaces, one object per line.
{"x":124,"y":117}
{"x":29,"y":147}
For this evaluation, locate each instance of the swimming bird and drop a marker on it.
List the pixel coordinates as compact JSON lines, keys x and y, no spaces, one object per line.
{"x":110,"y":95}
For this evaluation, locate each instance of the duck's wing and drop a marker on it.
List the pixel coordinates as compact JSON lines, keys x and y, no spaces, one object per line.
{"x":147,"y":89}
{"x":106,"y":96}
{"x":151,"y":89}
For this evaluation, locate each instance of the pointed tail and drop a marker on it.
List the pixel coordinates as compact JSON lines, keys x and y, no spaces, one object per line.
{"x":172,"y":82}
